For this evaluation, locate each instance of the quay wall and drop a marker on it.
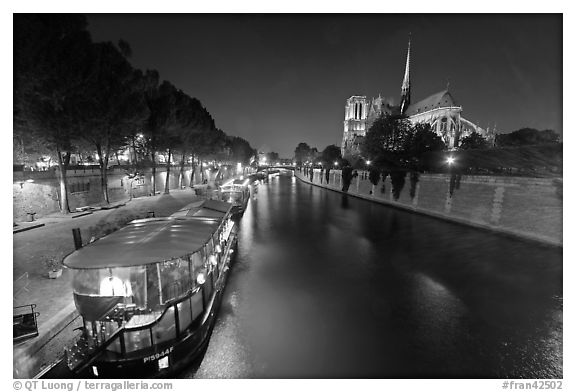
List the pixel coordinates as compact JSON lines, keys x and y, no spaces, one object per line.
{"x":526,"y":207}
{"x":39,"y":191}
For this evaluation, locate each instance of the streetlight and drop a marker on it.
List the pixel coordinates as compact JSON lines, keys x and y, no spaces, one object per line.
{"x":368,"y":162}
{"x":335,"y":163}
{"x":450,"y":160}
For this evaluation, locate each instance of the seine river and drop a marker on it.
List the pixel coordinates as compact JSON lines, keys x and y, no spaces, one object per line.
{"x":328,"y":286}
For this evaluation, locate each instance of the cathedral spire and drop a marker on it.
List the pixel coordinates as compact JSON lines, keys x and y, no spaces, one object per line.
{"x":405,"y":97}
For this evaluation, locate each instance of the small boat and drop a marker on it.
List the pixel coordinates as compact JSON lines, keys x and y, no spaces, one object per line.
{"x":236,"y":192}
{"x":149,"y":293}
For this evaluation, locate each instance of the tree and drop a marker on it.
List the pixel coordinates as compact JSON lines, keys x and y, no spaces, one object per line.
{"x":474,"y":141}
{"x":113,"y":105}
{"x":420,"y":141}
{"x":374,"y":177}
{"x":209,"y":144}
{"x":176,"y":127}
{"x":172,"y":119}
{"x":302,"y":153}
{"x":198,"y":122}
{"x":52,"y":58}
{"x":385,"y":141}
{"x":240,"y":150}
{"x":27,"y":149}
{"x":330,"y":155}
{"x":272,"y":157}
{"x":526,"y":137}
{"x":150,"y":131}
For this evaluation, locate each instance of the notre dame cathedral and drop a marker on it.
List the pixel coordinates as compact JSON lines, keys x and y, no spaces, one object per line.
{"x":440,"y":110}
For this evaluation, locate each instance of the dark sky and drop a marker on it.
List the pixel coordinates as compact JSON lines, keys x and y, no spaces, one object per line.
{"x":277,"y":80}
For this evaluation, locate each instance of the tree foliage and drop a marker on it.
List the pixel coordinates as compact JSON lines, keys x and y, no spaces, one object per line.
{"x":302,"y":153}
{"x":52,"y":59}
{"x":113,"y":105}
{"x":72,"y":96}
{"x":527,"y":137}
{"x":330,"y":155}
{"x":389,"y":143}
{"x":474,"y":141}
{"x":240,"y":150}
{"x":272,"y":157}
{"x":422,"y":140}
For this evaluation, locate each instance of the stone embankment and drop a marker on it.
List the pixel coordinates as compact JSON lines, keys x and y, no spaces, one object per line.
{"x":525,"y":207}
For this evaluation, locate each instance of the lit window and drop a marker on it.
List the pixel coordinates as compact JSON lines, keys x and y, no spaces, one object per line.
{"x":115,"y":287}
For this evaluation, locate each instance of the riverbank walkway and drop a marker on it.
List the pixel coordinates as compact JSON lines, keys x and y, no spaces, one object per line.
{"x":51,"y":236}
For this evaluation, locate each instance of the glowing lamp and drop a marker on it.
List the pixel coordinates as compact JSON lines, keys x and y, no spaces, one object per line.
{"x":368,"y":162}
{"x":218,"y":249}
{"x":450,"y":160}
{"x":213,"y":260}
{"x":201,"y":278}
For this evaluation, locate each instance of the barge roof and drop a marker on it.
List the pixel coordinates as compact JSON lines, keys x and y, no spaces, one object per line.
{"x":145,"y":241}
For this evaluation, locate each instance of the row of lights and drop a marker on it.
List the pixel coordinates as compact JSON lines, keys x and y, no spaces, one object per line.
{"x":449,"y":160}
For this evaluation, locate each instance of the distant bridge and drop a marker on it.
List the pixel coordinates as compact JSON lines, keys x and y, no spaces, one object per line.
{"x":274,"y":167}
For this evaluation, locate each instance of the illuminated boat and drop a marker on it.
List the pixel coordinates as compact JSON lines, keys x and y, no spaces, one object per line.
{"x":149,"y":293}
{"x":236,"y":192}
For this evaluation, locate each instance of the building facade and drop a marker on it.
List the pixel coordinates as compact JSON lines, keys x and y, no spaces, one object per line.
{"x":440,"y":110}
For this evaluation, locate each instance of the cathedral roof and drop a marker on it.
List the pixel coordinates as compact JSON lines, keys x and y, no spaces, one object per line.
{"x":434,"y":101}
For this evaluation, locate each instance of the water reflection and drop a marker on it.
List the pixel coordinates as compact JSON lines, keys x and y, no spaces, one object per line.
{"x":331,"y":286}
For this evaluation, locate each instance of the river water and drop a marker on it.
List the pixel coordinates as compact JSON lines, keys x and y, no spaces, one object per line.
{"x":329,"y":286}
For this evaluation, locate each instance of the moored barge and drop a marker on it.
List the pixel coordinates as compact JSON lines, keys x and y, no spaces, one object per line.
{"x":236,"y":192}
{"x":150,"y":292}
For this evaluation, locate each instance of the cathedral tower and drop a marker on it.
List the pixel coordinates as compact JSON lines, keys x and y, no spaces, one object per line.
{"x":405,"y":96}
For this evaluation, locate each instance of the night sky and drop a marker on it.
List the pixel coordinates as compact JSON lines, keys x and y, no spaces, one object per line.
{"x":277,"y":80}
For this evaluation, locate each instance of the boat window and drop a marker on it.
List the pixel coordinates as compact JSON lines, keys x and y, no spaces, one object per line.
{"x":184,"y":314}
{"x":197,"y":265}
{"x":127,"y":282}
{"x":166,"y":328}
{"x":139,"y":320}
{"x":175,"y":279}
{"x":107,"y":329}
{"x":152,"y":285}
{"x":232,"y":197}
{"x":137,"y":340}
{"x":197,"y":305}
{"x":86,"y":281}
{"x":209,"y":248}
{"x":208,"y":288}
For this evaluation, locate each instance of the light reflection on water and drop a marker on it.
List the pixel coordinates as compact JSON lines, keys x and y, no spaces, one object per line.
{"x":329,"y":286}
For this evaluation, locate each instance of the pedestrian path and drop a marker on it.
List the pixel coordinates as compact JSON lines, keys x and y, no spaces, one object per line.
{"x":52,"y":236}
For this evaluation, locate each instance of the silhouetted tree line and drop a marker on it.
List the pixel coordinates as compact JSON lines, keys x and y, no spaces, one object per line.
{"x":72,"y":95}
{"x":395,"y":147}
{"x":331,"y":156}
{"x":392,"y":143}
